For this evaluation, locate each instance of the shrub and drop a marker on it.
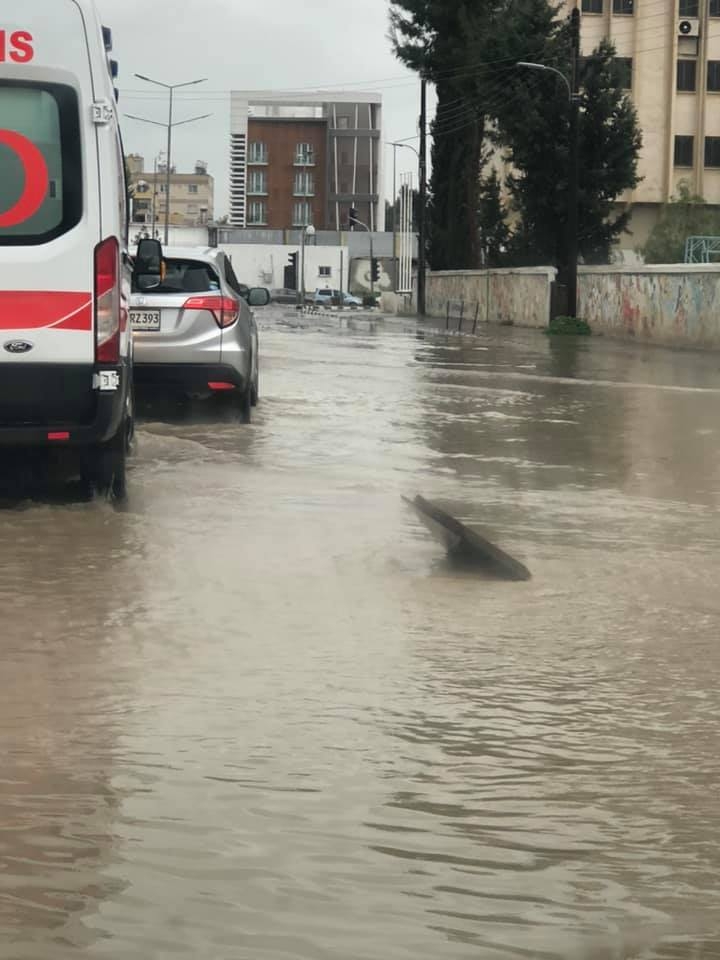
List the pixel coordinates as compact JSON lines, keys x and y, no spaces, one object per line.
{"x":569,"y":327}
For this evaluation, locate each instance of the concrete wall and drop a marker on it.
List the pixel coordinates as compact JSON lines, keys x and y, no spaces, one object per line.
{"x":676,"y":305}
{"x":264,"y":264}
{"x":519,"y":296}
{"x":671,"y":305}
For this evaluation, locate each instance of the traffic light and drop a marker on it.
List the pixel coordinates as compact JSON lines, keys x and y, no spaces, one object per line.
{"x":375,"y":269}
{"x":291,"y":271}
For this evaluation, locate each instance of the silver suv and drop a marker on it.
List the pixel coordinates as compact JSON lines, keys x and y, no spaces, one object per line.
{"x":193,"y":329}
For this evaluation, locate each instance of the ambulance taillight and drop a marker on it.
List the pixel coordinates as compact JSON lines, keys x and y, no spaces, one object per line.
{"x":107,"y":301}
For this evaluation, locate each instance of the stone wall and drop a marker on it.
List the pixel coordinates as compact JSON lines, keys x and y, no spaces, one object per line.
{"x":675,"y":305}
{"x":520,"y":297}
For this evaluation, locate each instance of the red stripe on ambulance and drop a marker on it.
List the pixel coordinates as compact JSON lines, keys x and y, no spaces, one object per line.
{"x":36,"y":310}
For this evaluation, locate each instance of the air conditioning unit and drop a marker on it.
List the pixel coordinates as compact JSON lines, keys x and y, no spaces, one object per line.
{"x":689,"y":27}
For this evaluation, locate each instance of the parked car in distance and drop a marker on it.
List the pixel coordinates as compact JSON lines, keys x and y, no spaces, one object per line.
{"x":194,"y":331}
{"x":327,"y":297}
{"x":283,"y":295}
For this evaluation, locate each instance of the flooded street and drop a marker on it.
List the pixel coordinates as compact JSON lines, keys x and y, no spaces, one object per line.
{"x":256,"y":716}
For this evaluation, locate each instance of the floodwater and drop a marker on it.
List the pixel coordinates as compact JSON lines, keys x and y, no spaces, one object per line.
{"x":256,"y":716}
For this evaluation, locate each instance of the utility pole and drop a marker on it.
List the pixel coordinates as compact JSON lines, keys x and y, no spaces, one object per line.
{"x":422,"y":198}
{"x":572,"y":240}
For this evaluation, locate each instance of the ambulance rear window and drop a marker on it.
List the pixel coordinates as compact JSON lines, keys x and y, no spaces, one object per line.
{"x":40,"y":162}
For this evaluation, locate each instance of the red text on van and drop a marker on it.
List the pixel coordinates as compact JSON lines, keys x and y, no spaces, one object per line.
{"x":17,"y":47}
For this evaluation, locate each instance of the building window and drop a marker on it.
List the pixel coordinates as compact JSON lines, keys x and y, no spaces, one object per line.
{"x":624,"y":72}
{"x":714,"y":8}
{"x":304,"y":155}
{"x":684,"y":151}
{"x":162,"y":187}
{"x":689,"y":8}
{"x":712,"y":151}
{"x":304,"y":184}
{"x":142,"y":187}
{"x":592,"y":6}
{"x":257,"y":213}
{"x":192,"y":188}
{"x":343,"y":123}
{"x":325,"y":272}
{"x":257,"y":152}
{"x":623,"y":6}
{"x":713,"y":75}
{"x":258,"y":182}
{"x":302,"y":214}
{"x":686,"y":75}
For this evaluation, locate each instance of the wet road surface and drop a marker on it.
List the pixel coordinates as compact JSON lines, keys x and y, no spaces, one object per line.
{"x":255,"y":714}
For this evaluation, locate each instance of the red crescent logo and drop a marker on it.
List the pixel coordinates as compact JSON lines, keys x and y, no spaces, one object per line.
{"x":37,"y":179}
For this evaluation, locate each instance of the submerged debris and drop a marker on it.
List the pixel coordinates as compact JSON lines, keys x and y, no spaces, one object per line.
{"x":466,"y":545}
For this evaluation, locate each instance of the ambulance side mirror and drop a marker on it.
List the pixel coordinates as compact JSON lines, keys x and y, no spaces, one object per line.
{"x":149,"y":269}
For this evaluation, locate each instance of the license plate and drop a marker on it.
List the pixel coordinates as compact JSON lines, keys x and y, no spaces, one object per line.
{"x":145,"y":319}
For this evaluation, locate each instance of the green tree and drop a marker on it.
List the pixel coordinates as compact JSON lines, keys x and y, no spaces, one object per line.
{"x":533,"y":127}
{"x":433,"y":38}
{"x":492,"y":221}
{"x":469,"y":49}
{"x":687,"y":215}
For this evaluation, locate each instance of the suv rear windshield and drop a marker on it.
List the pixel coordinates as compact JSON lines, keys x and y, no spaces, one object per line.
{"x":186,"y":276}
{"x":41,"y":194}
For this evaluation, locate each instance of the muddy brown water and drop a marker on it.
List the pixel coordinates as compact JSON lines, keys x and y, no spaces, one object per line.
{"x":256,"y":715}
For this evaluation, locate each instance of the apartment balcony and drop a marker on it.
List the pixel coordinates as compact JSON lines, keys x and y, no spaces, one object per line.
{"x":303,"y":160}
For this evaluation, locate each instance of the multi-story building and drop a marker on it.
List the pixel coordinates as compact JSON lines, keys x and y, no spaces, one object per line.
{"x":192,"y":195}
{"x":300,"y":159}
{"x":670,"y":54}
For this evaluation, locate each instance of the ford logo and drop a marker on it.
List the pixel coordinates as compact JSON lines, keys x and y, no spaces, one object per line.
{"x":18,"y":346}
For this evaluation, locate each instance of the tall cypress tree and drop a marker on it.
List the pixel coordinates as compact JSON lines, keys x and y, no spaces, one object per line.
{"x":469,"y":49}
{"x":432,"y":37}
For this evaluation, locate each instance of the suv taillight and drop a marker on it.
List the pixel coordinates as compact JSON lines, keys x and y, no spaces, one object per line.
{"x":225,"y":310}
{"x":107,"y":301}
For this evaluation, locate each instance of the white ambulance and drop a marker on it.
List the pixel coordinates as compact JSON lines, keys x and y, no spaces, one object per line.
{"x":65,"y":341}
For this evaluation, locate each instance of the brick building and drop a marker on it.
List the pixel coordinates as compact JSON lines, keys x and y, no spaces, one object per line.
{"x":305,"y":158}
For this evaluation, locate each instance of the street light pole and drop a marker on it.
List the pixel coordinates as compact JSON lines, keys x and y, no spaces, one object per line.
{"x":570,"y":267}
{"x":308,"y":231}
{"x":572,"y":245}
{"x":171,"y":88}
{"x":168,"y":172}
{"x":422,"y":199}
{"x":355,"y":220}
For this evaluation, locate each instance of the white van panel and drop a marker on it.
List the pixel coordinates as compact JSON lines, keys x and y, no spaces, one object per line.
{"x":67,"y":50}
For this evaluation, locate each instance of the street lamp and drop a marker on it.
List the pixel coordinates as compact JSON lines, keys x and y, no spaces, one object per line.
{"x":570,"y":268}
{"x":171,"y":88}
{"x":308,"y":231}
{"x":354,"y":220}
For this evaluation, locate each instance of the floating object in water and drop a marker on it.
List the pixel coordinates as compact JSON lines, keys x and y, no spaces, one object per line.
{"x":466,"y":545}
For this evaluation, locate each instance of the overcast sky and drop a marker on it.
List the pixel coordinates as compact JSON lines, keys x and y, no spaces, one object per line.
{"x":238,"y":44}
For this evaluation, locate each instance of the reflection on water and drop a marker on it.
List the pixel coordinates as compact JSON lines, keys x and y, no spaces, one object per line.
{"x":257,"y":715}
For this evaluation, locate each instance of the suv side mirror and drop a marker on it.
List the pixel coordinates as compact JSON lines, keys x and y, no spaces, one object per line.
{"x":149,"y":257}
{"x":258,"y":297}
